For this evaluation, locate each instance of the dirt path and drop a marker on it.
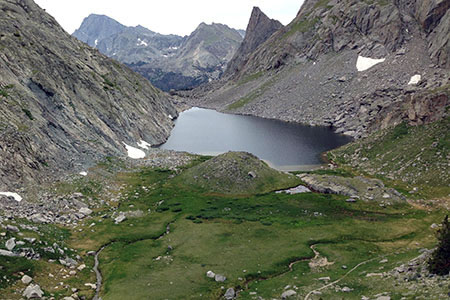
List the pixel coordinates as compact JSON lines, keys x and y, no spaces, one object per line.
{"x":338,"y":280}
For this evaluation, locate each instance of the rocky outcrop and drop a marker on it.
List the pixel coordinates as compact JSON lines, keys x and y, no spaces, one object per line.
{"x":168,"y":61}
{"x":63,"y":105}
{"x":318,"y":69}
{"x":259,"y":29}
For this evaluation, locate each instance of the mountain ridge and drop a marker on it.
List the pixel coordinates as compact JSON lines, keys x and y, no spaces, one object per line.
{"x":63,"y":104}
{"x":308,"y":71}
{"x":168,"y":61}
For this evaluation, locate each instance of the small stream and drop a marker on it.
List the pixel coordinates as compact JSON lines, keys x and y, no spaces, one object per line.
{"x":96,"y":268}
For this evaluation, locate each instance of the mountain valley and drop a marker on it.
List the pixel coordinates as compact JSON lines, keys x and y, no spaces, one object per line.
{"x":91,"y":208}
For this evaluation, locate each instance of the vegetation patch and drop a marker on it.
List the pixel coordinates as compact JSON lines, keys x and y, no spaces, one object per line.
{"x":4,"y":91}
{"x":250,"y":78}
{"x":411,"y":158}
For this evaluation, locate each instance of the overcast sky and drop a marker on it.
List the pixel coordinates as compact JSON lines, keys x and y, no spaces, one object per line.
{"x":169,"y":16}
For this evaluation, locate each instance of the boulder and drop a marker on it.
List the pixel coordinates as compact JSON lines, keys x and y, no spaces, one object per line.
{"x":7,"y":253}
{"x":10,"y":244}
{"x":346,"y":289}
{"x":219,"y":278}
{"x":288,"y":293}
{"x":120,"y":218}
{"x":38,"y":218}
{"x":33,"y":291}
{"x":85,"y":211}
{"x":26,"y":279}
{"x":230,"y":294}
{"x":210,"y":274}
{"x":12,"y":228}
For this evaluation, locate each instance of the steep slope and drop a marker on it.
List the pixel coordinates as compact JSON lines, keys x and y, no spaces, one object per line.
{"x":318,"y":70}
{"x":96,"y":28}
{"x":168,"y":61}
{"x":64,"y":105}
{"x":259,"y":29}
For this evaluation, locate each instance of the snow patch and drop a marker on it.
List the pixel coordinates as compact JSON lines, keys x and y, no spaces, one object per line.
{"x":134,"y":153}
{"x":83,"y":173}
{"x":14,"y":195}
{"x":96,"y":43}
{"x":141,"y":43}
{"x":144,"y":145}
{"x":365,"y":63}
{"x":415,"y":79}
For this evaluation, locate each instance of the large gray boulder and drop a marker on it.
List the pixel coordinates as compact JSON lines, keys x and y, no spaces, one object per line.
{"x":288,"y":293}
{"x":10,"y":244}
{"x":219,"y":278}
{"x":230,"y":294}
{"x":33,"y":291}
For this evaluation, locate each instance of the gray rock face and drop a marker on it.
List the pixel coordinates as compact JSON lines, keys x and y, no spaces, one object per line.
{"x":259,"y":29}
{"x":62,"y":96}
{"x":168,"y":61}
{"x":33,"y":291}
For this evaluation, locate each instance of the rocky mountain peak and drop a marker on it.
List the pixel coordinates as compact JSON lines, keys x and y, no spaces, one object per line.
{"x":97,"y":27}
{"x":259,"y":29}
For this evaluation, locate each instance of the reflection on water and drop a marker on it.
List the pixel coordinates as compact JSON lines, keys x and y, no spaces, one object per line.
{"x":285,"y":146}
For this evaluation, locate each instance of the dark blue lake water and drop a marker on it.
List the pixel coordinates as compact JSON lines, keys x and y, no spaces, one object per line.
{"x":285,"y":146}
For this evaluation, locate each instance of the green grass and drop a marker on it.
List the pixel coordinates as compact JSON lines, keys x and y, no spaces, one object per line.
{"x":302,"y":26}
{"x":251,"y":96}
{"x":258,"y":233}
{"x":405,"y":157}
{"x":250,"y":238}
{"x":4,"y":91}
{"x":251,"y":77}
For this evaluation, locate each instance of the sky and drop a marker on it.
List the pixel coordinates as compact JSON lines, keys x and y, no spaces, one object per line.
{"x":169,"y":16}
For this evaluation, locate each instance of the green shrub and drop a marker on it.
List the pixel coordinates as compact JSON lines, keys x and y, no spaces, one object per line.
{"x":28,"y":113}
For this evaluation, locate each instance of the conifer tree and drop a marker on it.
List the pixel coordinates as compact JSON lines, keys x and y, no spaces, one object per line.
{"x":440,"y":260}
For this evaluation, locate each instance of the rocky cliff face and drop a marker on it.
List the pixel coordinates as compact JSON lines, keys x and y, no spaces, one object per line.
{"x":168,"y":61}
{"x":342,"y":64}
{"x":260,"y":28}
{"x":63,"y":105}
